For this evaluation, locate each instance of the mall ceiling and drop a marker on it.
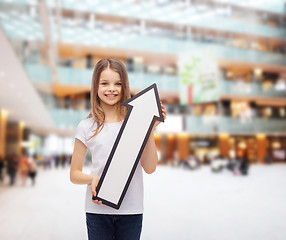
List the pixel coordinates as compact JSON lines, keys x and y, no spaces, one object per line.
{"x":17,"y":94}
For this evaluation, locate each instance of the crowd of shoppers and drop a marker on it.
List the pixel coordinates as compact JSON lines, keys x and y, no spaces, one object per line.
{"x":18,"y":168}
{"x":236,"y":165}
{"x":23,"y":170}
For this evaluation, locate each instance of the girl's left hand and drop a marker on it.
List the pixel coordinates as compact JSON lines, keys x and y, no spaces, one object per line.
{"x":164,"y":112}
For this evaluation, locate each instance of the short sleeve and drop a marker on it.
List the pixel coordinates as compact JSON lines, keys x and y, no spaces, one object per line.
{"x":80,"y":133}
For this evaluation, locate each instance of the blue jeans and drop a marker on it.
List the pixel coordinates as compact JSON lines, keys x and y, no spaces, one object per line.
{"x":113,"y":227}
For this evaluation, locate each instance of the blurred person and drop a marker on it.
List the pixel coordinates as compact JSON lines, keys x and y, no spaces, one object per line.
{"x":236,"y":166}
{"x":24,"y":168}
{"x":26,"y":51}
{"x":39,"y":159}
{"x":231,"y":164}
{"x":69,"y":159}
{"x":64,"y":160}
{"x":192,"y":162}
{"x":110,"y":88}
{"x":1,"y":168}
{"x":12,"y":167}
{"x":268,"y":159}
{"x":57,"y":160}
{"x":216,"y":164}
{"x":244,"y":166}
{"x":207,"y":158}
{"x":47,"y":162}
{"x":241,"y":166}
{"x":33,"y":170}
{"x":175,"y":161}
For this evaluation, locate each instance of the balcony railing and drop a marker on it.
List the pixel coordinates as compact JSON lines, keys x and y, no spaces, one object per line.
{"x":222,"y":124}
{"x":211,"y":18}
{"x":138,"y":80}
{"x":69,"y":119}
{"x":240,"y":88}
{"x":68,"y":75}
{"x":30,"y":29}
{"x":39,"y":73}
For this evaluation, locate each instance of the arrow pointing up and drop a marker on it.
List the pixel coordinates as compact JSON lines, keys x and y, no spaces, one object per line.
{"x":143,"y":110}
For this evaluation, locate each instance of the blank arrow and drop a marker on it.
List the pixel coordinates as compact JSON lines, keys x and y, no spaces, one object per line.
{"x":143,"y":110}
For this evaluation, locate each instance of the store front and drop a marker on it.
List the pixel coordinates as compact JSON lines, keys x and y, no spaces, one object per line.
{"x":277,"y":149}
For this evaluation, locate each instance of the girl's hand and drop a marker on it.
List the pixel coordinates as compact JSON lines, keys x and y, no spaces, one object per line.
{"x":95,"y":180}
{"x":164,"y":112}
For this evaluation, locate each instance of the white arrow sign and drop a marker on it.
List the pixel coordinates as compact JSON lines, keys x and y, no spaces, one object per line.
{"x":143,"y":110}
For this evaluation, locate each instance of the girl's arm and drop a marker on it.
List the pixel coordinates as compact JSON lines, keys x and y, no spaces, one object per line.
{"x":149,"y":158}
{"x":78,"y":156}
{"x":76,"y":174}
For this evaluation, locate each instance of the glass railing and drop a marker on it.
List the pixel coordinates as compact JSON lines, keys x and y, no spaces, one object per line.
{"x":133,"y":41}
{"x":39,"y":73}
{"x":68,"y":118}
{"x":249,"y":55}
{"x":67,"y":75}
{"x":173,"y":46}
{"x":222,"y":124}
{"x":164,"y":82}
{"x":240,"y":88}
{"x":31,"y":29}
{"x":268,"y":6}
{"x":211,"y":17}
{"x":73,"y":76}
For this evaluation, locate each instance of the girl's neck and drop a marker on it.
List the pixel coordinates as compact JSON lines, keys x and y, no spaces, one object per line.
{"x":112,"y":113}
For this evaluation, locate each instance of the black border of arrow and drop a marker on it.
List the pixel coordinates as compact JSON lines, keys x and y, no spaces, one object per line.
{"x":161,"y":119}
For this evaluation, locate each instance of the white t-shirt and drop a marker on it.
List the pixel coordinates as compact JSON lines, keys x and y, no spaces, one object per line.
{"x":100,"y":147}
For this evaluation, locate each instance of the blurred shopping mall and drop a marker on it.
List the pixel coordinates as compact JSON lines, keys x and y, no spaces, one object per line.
{"x":220,"y":68}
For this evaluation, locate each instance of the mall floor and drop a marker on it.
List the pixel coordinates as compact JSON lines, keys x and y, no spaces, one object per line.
{"x":179,"y":204}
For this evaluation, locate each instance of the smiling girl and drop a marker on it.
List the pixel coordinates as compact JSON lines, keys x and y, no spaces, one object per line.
{"x":110,"y":88}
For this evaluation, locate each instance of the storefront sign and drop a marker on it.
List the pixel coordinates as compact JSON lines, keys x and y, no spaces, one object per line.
{"x":198,"y":77}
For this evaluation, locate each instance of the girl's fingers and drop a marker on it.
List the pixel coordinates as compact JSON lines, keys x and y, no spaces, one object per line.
{"x":97,"y":202}
{"x":94,"y":193}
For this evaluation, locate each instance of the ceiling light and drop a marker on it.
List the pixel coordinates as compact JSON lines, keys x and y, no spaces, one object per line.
{"x":4,"y":112}
{"x":22,"y":124}
{"x":258,"y":72}
{"x":260,"y":135}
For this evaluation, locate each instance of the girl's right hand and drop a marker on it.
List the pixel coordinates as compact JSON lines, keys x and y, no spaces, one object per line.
{"x":95,"y":180}
{"x":93,"y":186}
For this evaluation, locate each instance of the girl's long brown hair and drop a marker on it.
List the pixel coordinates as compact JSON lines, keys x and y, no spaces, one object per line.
{"x":96,"y":111}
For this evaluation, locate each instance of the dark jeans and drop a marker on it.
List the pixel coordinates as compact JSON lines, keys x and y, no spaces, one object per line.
{"x":1,"y":171}
{"x":109,"y":227}
{"x":12,"y":174}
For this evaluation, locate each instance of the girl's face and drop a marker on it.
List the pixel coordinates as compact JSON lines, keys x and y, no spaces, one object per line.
{"x":109,"y":88}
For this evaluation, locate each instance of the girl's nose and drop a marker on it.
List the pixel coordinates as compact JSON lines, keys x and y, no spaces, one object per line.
{"x":111,"y":87}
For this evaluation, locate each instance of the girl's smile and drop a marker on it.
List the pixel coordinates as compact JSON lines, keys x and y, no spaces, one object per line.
{"x":111,"y":95}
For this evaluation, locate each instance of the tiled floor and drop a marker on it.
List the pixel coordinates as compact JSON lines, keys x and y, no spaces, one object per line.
{"x":179,"y":204}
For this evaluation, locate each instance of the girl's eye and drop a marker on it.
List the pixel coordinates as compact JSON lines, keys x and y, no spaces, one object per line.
{"x":104,"y":83}
{"x":118,"y":84}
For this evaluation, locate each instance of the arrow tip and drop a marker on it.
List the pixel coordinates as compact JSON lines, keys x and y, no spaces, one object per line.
{"x":147,"y":100}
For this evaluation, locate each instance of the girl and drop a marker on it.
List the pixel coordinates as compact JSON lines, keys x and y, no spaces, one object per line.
{"x":110,"y":88}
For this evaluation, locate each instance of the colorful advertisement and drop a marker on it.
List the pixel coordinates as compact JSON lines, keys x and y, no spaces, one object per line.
{"x":198,"y":77}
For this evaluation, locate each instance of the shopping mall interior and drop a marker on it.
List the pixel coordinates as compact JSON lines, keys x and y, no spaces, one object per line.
{"x":220,"y":70}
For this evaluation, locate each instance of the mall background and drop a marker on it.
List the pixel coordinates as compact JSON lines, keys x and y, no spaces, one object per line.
{"x":220,"y":68}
